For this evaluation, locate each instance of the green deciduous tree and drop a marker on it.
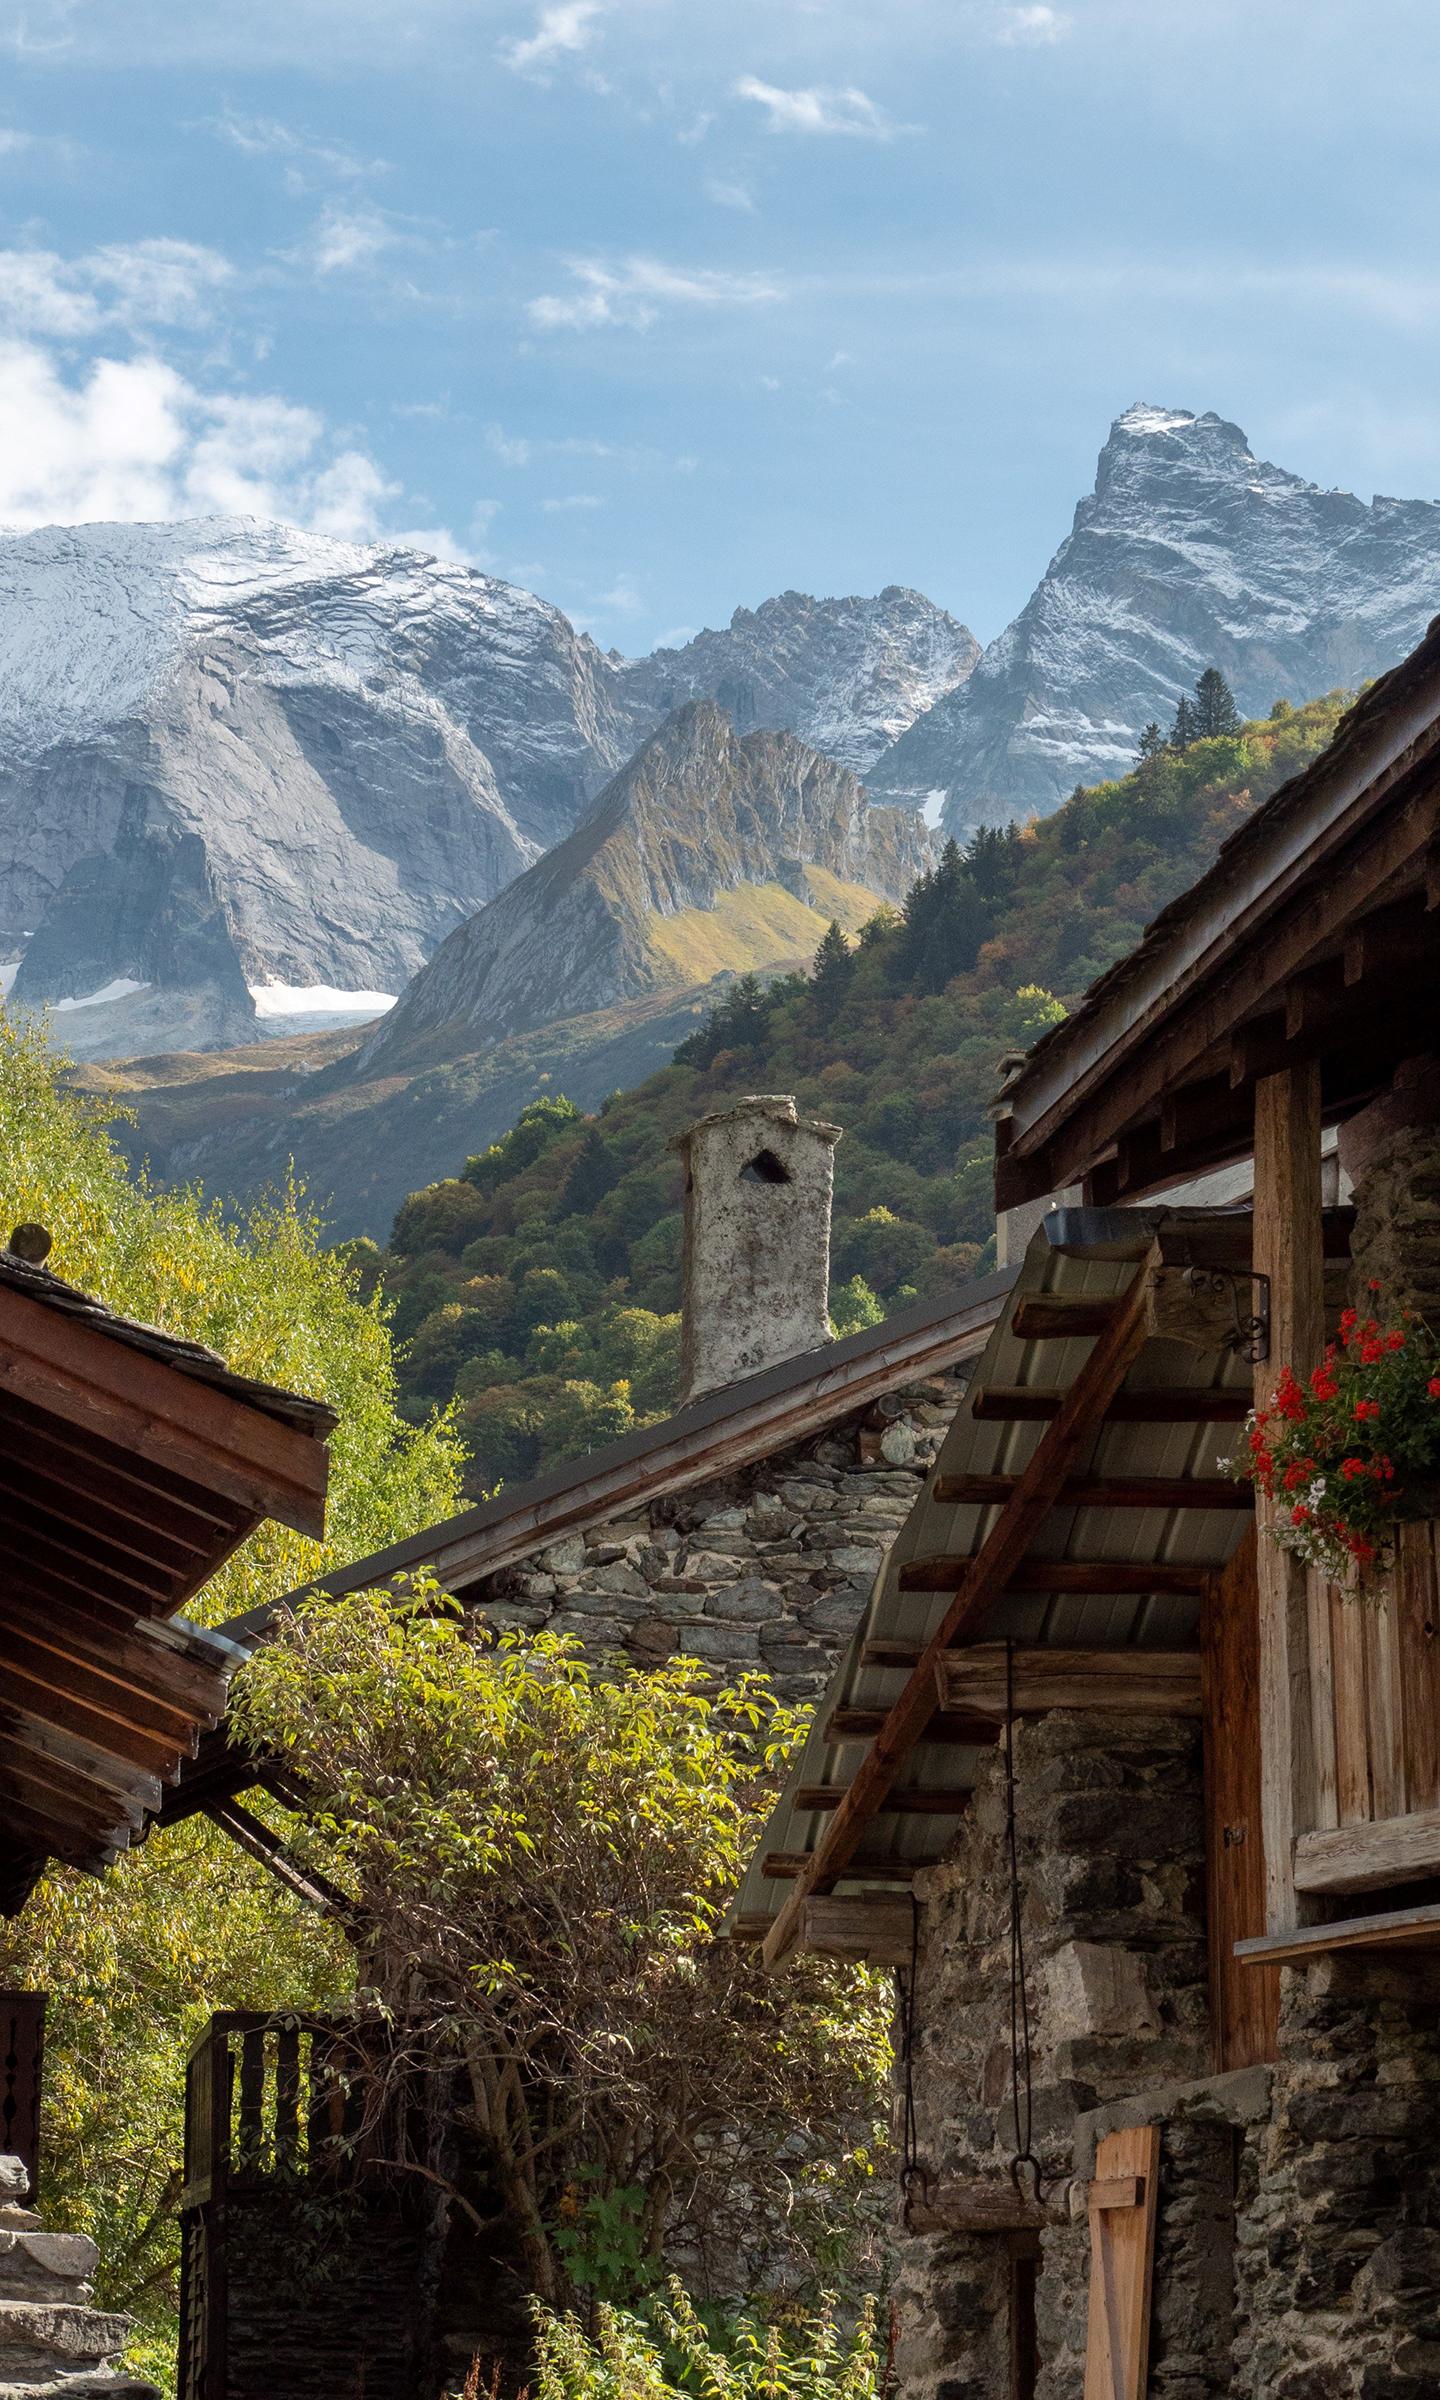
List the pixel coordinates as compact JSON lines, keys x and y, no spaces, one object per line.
{"x":137,"y":1962}
{"x":542,"y":1855}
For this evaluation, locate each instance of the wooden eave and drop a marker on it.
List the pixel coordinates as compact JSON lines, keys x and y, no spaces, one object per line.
{"x":1070,"y":1535}
{"x":1312,"y":936}
{"x":131,"y":1467}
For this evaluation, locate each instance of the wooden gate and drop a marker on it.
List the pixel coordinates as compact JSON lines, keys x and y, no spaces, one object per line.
{"x":22,"y":2059}
{"x":282,"y":2122}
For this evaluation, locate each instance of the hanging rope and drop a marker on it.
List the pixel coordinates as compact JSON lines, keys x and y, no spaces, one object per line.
{"x":914,"y":2177}
{"x":1021,"y":2095}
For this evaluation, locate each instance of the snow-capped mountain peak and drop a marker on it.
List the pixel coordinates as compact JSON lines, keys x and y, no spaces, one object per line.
{"x":1190,"y":552}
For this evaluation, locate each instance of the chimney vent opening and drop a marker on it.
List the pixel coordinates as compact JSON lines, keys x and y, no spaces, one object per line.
{"x":764,"y":1167}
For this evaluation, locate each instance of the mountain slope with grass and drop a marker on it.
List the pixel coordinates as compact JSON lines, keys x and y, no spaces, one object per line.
{"x":709,"y":851}
{"x":538,"y":1287}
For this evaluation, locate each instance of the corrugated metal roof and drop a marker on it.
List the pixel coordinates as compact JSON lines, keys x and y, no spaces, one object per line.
{"x":1076,"y":1254}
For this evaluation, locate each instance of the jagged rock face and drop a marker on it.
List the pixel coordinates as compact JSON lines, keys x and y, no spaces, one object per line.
{"x":1190,"y":552}
{"x":346,"y":750}
{"x":700,"y":813}
{"x":233,"y":755}
{"x":847,"y":675}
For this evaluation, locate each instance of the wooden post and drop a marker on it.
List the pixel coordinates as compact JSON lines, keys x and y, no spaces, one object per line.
{"x":1288,"y":1248}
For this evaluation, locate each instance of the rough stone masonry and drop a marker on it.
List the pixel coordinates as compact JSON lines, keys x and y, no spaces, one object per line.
{"x":769,"y":1567}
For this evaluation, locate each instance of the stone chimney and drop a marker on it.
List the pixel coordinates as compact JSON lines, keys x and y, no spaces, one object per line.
{"x":758,"y":1182}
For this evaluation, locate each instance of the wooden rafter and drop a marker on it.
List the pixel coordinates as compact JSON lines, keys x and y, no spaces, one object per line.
{"x":1162,"y":1404}
{"x":1104,"y":1491}
{"x":944,"y":1574}
{"x":1056,"y":1454}
{"x":107,"y":1388}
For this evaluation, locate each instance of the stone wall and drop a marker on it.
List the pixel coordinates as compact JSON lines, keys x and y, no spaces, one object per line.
{"x":1338,"y":2266}
{"x":767,"y":1568}
{"x":1111,"y":1870}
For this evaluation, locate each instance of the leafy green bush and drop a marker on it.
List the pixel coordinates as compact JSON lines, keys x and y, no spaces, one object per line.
{"x":668,"y":2347}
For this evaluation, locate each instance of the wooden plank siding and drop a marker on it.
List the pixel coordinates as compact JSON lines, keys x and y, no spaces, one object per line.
{"x":1244,"y":2000}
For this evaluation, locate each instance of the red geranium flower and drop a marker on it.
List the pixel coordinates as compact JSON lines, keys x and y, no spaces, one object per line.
{"x":1365,"y":1409}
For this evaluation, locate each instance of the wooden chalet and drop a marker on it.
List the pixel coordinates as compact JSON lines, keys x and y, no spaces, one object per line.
{"x":1146,"y":1812}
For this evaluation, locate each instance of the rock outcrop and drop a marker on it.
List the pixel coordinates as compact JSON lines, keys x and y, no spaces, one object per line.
{"x":1189,"y":553}
{"x":709,"y":850}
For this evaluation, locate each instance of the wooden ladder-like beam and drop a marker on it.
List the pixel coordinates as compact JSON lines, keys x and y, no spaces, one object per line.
{"x":1060,"y":1446}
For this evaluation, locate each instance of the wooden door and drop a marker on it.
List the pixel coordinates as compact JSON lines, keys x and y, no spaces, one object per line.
{"x":1244,"y":1999}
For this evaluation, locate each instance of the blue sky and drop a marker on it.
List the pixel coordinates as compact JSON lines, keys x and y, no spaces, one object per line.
{"x":660,"y":306}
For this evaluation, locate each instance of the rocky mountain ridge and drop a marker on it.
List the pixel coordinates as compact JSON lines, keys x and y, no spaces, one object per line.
{"x":250,"y":776}
{"x":708,"y":842}
{"x":848,"y":676}
{"x":1190,"y":552}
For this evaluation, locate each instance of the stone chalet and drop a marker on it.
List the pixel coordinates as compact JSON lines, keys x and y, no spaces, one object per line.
{"x":1144,"y":1811}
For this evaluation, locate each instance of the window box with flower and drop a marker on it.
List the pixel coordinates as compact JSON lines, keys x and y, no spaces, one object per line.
{"x":1352,"y":1452}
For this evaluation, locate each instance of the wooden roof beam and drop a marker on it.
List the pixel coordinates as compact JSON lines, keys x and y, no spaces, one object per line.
{"x":1056,"y":1455}
{"x":919,"y":1800}
{"x":786,"y":1866}
{"x":1063,"y":1575}
{"x":1164,"y":1492}
{"x":1089,"y":1088}
{"x":862,"y":1724}
{"x":1162,"y":1404}
{"x":1112,"y":1681}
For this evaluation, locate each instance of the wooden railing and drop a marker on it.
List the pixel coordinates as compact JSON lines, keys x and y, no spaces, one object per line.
{"x":271,"y":2101}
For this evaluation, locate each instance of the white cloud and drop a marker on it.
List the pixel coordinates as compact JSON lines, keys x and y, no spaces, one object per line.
{"x":132,"y":439}
{"x":510,"y":448}
{"x":824,"y":108}
{"x":560,"y":31}
{"x":572,"y":500}
{"x":1034,"y":27}
{"x":303,"y":153}
{"x":346,"y":238}
{"x":126,"y":283}
{"x":729,"y":195}
{"x":633,"y":290}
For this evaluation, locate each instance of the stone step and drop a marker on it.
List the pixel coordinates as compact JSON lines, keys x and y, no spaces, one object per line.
{"x":35,"y":2265}
{"x":47,"y":2338}
{"x":103,"y":2386}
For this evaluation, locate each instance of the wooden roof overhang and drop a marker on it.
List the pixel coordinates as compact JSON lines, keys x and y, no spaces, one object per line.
{"x":131,"y":1465}
{"x":716,"y":1435}
{"x":1078,"y":1509}
{"x":1312,"y":937}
